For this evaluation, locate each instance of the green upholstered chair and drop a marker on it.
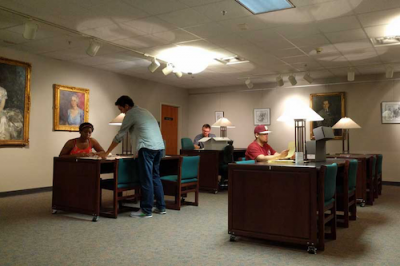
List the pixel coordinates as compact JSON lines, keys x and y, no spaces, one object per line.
{"x":187,"y":144}
{"x":346,"y":198}
{"x":246,"y":162}
{"x":227,"y":158}
{"x":371,"y":179}
{"x":326,"y":203}
{"x":186,"y":181}
{"x":126,"y":177}
{"x":379,"y":174}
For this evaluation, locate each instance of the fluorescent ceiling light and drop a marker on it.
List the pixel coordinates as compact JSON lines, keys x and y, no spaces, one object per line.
{"x":263,"y":6}
{"x":231,"y":60}
{"x":385,"y":41}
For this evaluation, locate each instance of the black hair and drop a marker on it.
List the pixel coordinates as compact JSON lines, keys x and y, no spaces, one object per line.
{"x":124,"y":100}
{"x":85,"y":125}
{"x":206,"y":126}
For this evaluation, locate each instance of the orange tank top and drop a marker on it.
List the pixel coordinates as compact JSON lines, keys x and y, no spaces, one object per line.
{"x":76,"y":150}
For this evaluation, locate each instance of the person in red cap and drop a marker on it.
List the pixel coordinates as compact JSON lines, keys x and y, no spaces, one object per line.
{"x":259,"y":149}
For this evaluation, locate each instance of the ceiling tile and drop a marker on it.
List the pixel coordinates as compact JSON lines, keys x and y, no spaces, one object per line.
{"x":297,"y":31}
{"x":244,"y":24}
{"x":322,"y":50}
{"x":349,"y":47}
{"x":340,"y":72}
{"x":175,"y":36}
{"x":114,"y":32}
{"x":308,"y":66}
{"x":287,"y":52}
{"x":207,"y":30}
{"x":288,"y":17}
{"x":346,"y":36}
{"x":44,"y":31}
{"x":214,"y":11}
{"x":379,"y":17}
{"x":141,"y":42}
{"x":329,"y":10}
{"x":150,"y":25}
{"x":338,"y":24}
{"x":321,"y":74}
{"x":362,"y":57}
{"x":333,"y":61}
{"x":185,"y":18}
{"x":366,"y":6}
{"x":377,"y":31}
{"x":156,"y":7}
{"x":53,"y":44}
{"x":299,"y":3}
{"x":371,"y":69}
{"x":198,"y":2}
{"x":119,"y":11}
{"x":298,"y":59}
{"x":12,"y":38}
{"x":10,"y":20}
{"x":314,"y":40}
{"x":389,"y":54}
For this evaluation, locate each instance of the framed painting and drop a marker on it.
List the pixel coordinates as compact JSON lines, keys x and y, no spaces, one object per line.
{"x":390,"y":112}
{"x":218,"y":115}
{"x":15,"y":102}
{"x":71,"y":107}
{"x":331,"y":107}
{"x":262,"y":116}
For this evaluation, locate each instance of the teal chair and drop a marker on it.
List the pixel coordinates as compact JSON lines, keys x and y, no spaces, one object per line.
{"x":187,"y":144}
{"x":327,"y":203}
{"x":371,"y":179}
{"x":126,"y":177}
{"x":246,"y":162}
{"x":186,"y":181}
{"x":379,"y":174}
{"x":346,"y":198}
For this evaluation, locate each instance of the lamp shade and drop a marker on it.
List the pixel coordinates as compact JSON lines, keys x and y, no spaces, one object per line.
{"x":345,"y":123}
{"x":117,"y":121}
{"x":299,"y":111}
{"x":223,"y":122}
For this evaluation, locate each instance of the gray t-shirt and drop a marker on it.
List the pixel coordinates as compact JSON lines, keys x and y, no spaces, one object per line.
{"x":199,"y":137}
{"x":143,"y":127}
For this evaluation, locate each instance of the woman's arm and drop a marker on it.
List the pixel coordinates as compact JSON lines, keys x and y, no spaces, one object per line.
{"x":96,"y":145}
{"x":69,"y":145}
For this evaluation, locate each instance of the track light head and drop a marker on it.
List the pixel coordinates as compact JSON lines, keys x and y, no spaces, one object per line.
{"x":167,"y":70}
{"x":154,"y":65}
{"x":177,"y":73}
{"x":93,"y":48}
{"x":249,"y":84}
{"x":280,"y":81}
{"x":307,"y":77}
{"x":30,"y":30}
{"x":350,"y":74}
{"x":389,"y":72}
{"x":292,"y":79}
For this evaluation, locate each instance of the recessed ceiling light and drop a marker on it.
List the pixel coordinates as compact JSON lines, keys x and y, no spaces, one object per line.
{"x":262,"y":6}
{"x":385,"y":41}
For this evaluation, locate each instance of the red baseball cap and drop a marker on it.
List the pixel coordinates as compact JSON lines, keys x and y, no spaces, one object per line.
{"x":261,"y":129}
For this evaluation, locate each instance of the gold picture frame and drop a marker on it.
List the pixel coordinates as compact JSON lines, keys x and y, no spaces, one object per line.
{"x":331,"y":107}
{"x":15,"y":102}
{"x":71,"y":107}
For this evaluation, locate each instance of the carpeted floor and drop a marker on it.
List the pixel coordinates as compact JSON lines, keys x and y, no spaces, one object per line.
{"x":31,"y":235}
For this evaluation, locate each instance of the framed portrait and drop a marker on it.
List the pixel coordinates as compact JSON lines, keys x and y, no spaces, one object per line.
{"x":262,"y":116}
{"x":331,"y":107}
{"x":218,"y":115}
{"x":15,"y":102}
{"x":71,"y":107}
{"x":390,"y":112}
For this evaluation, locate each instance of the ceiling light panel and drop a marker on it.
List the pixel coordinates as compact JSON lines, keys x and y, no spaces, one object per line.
{"x":261,"y":6}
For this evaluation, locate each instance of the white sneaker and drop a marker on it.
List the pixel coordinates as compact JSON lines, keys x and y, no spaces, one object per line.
{"x":158,"y":211}
{"x":140,"y":214}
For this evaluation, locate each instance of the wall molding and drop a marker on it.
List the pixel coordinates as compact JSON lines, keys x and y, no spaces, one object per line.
{"x":25,"y":192}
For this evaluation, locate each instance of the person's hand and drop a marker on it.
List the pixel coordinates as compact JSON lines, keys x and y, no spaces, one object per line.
{"x":102,"y":154}
{"x":284,"y":154}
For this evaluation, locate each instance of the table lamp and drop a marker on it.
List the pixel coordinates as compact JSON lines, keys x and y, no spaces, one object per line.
{"x":223,"y":123}
{"x":126,"y":144}
{"x":345,"y":124}
{"x":299,"y":113}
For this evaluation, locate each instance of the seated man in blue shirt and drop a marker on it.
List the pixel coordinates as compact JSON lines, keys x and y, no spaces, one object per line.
{"x":206,"y":129}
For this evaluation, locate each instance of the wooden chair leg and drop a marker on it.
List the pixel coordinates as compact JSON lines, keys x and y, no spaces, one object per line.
{"x":380,"y":185}
{"x":334,"y":223}
{"x":196,"y":199}
{"x":321,"y":230}
{"x":345,"y":213}
{"x":178,"y":198}
{"x":353,"y":211}
{"x":376,"y":188}
{"x":370,"y":193}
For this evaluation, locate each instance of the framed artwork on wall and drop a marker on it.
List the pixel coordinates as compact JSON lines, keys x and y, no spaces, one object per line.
{"x":218,"y":115}
{"x":15,"y":102}
{"x":262,"y":116}
{"x":71,"y":107}
{"x":331,"y":107}
{"x":390,"y":112}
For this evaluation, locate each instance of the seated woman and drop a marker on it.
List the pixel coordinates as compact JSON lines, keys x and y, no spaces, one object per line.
{"x":82,"y":146}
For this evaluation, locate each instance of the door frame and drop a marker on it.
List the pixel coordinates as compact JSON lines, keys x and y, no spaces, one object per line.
{"x":179,"y":121}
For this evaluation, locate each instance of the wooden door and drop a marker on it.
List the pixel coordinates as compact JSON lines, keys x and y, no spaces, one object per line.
{"x":169,"y":128}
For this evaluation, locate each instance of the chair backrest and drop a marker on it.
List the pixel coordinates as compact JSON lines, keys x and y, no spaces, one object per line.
{"x":330,"y":181}
{"x":190,"y":167}
{"x":246,"y":162}
{"x":228,"y":154}
{"x":187,"y":144}
{"x":379,"y":163}
{"x":353,"y":165}
{"x":128,"y":171}
{"x":372,"y":168}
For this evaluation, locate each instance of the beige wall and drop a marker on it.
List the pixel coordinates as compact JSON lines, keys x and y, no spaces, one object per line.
{"x":363,"y":103}
{"x":32,"y":166}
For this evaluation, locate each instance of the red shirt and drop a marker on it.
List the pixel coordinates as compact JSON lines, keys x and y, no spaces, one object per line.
{"x":254,"y":149}
{"x":76,"y":150}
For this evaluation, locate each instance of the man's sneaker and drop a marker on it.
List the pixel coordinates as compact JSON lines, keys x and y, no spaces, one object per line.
{"x":158,"y":211}
{"x":141,"y":214}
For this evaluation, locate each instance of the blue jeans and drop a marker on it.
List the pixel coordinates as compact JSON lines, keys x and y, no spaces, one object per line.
{"x":149,"y":173}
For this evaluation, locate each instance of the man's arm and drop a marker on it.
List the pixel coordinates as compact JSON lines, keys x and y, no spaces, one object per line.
{"x":276,"y":156}
{"x":104,"y":154}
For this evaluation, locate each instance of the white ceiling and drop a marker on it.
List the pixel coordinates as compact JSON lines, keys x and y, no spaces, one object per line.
{"x":275,"y":43}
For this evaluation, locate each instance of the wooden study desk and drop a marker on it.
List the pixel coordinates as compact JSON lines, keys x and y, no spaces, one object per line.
{"x":275,"y":201}
{"x":209,"y":165}
{"x":76,"y":183}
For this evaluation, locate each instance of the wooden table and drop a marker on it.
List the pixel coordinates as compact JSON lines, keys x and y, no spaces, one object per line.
{"x":275,"y":201}
{"x":209,"y":165}
{"x":76,"y":183}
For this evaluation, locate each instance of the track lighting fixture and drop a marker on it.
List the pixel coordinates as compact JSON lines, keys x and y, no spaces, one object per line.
{"x":30,"y":30}
{"x":350,"y":74}
{"x":93,"y":48}
{"x":168,"y":69}
{"x":307,"y":77}
{"x":154,"y":65}
{"x":249,"y":84}
{"x":292,"y":79}
{"x":177,"y":73}
{"x":280,"y":81}
{"x":389,"y":72}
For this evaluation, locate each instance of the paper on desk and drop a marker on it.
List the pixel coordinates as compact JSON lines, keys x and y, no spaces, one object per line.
{"x":291,"y":147}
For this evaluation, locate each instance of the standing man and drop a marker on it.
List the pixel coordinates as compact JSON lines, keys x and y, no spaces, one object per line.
{"x":259,"y":149}
{"x":142,"y":125}
{"x":205,"y":133}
